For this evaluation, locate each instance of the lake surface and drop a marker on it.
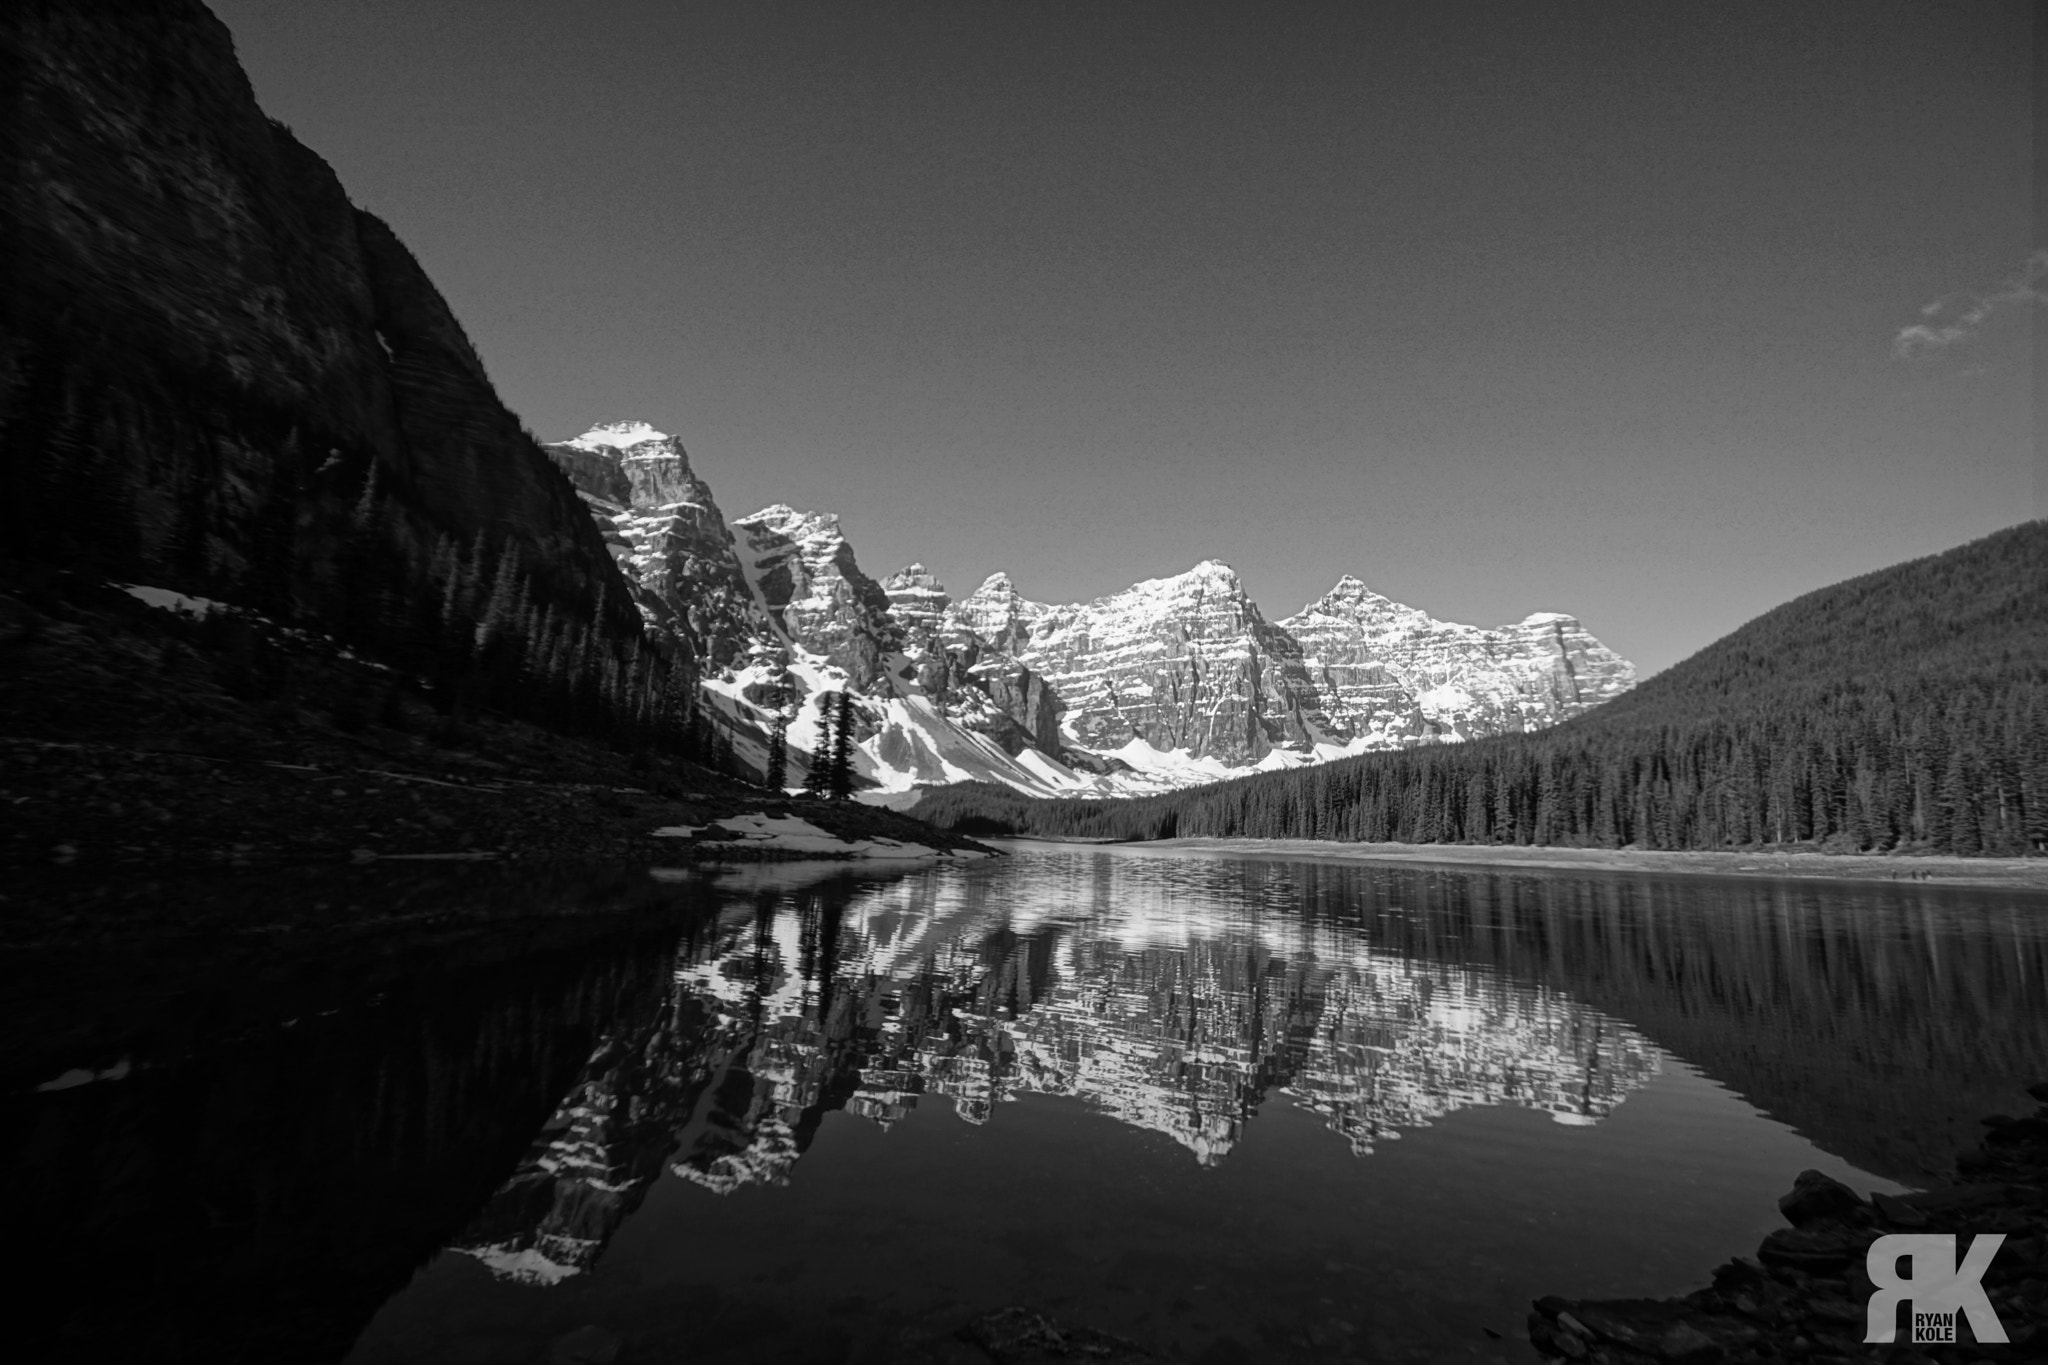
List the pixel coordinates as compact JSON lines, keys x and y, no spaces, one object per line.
{"x":1231,"y":1108}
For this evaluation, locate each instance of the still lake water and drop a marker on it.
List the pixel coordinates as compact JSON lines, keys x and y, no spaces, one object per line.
{"x":1230,"y":1108}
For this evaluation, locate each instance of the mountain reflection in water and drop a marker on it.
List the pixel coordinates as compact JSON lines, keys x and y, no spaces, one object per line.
{"x":721,"y":1114}
{"x":1172,"y":996}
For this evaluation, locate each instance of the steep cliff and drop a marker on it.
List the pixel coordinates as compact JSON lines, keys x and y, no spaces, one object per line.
{"x":972,"y":682}
{"x":817,"y":594}
{"x":219,"y":376}
{"x":667,"y":533}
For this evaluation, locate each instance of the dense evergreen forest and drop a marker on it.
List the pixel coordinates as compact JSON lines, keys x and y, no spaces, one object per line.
{"x":1903,"y":710}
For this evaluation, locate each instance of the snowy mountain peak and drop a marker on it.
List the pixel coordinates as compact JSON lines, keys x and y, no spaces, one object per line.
{"x":917,"y":600}
{"x":784,"y":520}
{"x":1208,"y":573}
{"x":1350,"y":588}
{"x":621,"y":435}
{"x":997,"y":595}
{"x":665,"y":532}
{"x":1350,"y":597}
{"x":804,"y":575}
{"x":914,"y":582}
{"x":995,"y":611}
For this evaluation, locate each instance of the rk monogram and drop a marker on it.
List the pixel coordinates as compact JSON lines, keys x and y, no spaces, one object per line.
{"x":1939,"y":1289}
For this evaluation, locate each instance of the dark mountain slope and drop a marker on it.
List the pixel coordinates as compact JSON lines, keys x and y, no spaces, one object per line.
{"x":217,"y":375}
{"x":1906,"y":709}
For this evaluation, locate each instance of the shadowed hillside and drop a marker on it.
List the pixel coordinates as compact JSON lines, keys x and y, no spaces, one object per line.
{"x":219,"y":376}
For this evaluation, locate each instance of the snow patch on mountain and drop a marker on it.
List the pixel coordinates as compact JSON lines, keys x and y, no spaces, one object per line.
{"x":164,"y":599}
{"x":617,"y":436}
{"x":902,"y":740}
{"x":1172,"y":681}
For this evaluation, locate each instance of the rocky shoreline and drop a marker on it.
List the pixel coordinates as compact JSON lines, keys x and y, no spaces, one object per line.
{"x":1803,"y":1296}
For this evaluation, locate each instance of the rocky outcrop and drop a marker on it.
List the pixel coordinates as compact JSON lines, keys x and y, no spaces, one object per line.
{"x":667,"y":534}
{"x":917,"y":600}
{"x":805,"y":573}
{"x":1807,"y":1291}
{"x":1029,"y":701}
{"x":973,"y":683}
{"x":221,"y":377}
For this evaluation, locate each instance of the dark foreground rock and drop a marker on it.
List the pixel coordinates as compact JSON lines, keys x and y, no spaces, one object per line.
{"x":1803,"y":1297}
{"x":1021,"y":1336}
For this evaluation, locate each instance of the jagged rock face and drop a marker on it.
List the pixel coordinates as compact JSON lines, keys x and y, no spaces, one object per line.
{"x":996,"y":614}
{"x":1190,"y":663}
{"x":212,"y":354}
{"x":817,"y":595}
{"x":666,"y":533}
{"x":596,"y":470}
{"x":1392,"y":674}
{"x":917,"y":600}
{"x":972,"y":683}
{"x":1030,"y":703}
{"x":1183,"y":663}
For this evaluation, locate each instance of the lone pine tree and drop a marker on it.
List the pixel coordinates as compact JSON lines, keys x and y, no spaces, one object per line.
{"x":816,"y":775}
{"x":775,"y":774}
{"x":839,"y":772}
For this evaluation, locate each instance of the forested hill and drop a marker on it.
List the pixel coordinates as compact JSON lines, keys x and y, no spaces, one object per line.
{"x":1905,"y":709}
{"x":1976,"y":615}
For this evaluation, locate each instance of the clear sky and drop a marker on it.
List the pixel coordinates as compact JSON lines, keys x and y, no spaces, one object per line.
{"x":1598,"y":308}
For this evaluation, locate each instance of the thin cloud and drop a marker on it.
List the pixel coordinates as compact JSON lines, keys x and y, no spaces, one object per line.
{"x":1958,"y":316}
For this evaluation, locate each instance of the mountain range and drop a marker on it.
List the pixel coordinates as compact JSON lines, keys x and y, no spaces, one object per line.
{"x":1904,"y":711}
{"x":1170,"y":682}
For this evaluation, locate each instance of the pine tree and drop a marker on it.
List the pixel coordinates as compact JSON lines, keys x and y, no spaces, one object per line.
{"x":775,"y":775}
{"x":775,"y":772}
{"x":839,"y":770}
{"x":817,"y":781}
